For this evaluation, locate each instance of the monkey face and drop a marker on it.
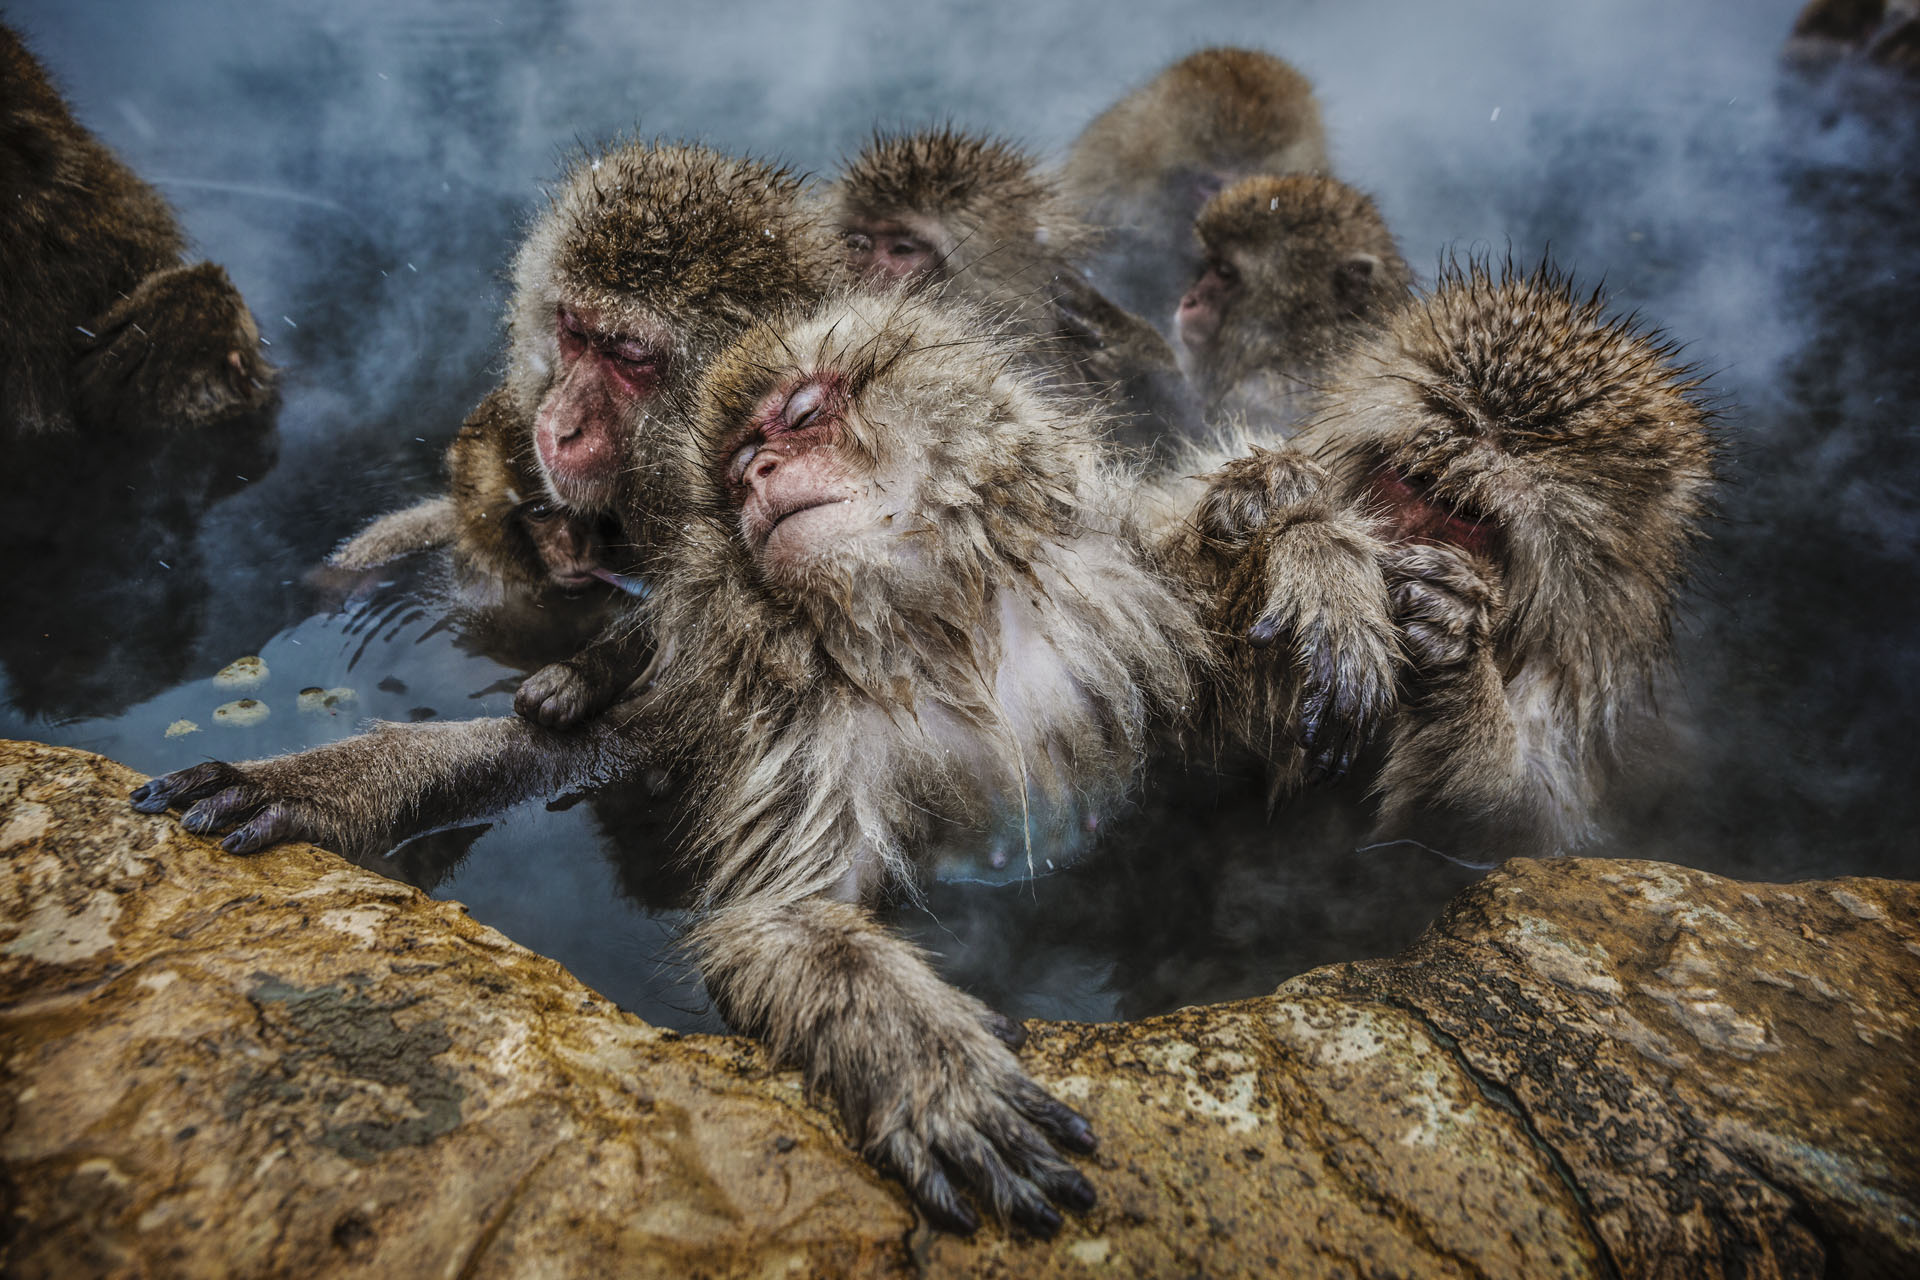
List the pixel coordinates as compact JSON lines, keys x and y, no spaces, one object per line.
{"x":584,"y":425}
{"x":891,"y":250}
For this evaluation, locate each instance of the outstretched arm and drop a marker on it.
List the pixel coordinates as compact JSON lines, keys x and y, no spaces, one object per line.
{"x":425,"y":525}
{"x":371,"y":792}
{"x":925,"y":1083}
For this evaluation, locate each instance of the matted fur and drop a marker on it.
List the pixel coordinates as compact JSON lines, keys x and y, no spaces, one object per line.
{"x":1236,"y":111}
{"x":1317,"y":269}
{"x":1587,"y":446}
{"x":101,"y":324}
{"x":842,"y":713}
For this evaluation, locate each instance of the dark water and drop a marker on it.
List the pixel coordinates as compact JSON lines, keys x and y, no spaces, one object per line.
{"x":362,"y":170}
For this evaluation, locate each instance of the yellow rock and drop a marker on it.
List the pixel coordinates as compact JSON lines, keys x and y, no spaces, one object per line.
{"x":181,"y":728}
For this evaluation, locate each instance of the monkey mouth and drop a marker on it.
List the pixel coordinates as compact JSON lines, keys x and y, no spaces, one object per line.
{"x":1414,"y":514}
{"x":812,"y":504}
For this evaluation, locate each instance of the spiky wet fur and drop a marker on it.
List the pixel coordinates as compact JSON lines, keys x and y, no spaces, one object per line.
{"x":101,"y":325}
{"x":1236,"y":110}
{"x":1009,"y":242}
{"x":1589,"y":445}
{"x":1318,"y":270}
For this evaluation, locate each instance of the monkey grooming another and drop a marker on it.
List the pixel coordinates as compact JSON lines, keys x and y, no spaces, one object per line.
{"x":980,"y":220}
{"x":897,"y":606}
{"x":101,"y":325}
{"x":1144,"y":167}
{"x":1296,"y":270}
{"x":649,"y":259}
{"x":1535,"y":471}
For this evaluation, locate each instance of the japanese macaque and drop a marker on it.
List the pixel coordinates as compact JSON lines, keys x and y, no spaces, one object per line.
{"x":898,"y":602}
{"x":1535,"y":471}
{"x":978,"y":219}
{"x":102,"y":326}
{"x":1144,"y":167}
{"x":648,"y":261}
{"x":507,"y":535}
{"x":1885,"y":32}
{"x":1295,"y":270}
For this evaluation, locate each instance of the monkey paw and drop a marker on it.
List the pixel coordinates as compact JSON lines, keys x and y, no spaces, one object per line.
{"x":181,"y":348}
{"x":971,"y":1115}
{"x":216,"y":796}
{"x":560,"y":696}
{"x":1249,"y":493}
{"x":1444,"y":602}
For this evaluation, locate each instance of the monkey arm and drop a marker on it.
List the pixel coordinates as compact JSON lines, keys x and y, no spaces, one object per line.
{"x":421,"y":527}
{"x":1286,"y":566}
{"x":926,"y":1089}
{"x":1501,"y":756}
{"x":563,"y":694}
{"x":371,"y":792}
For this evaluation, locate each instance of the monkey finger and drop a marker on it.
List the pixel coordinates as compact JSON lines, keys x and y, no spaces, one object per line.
{"x":222,"y":810}
{"x":902,"y":1154}
{"x":1015,"y":1198}
{"x":184,"y":786}
{"x":1004,"y":1029}
{"x":272,"y":825}
{"x":1057,"y":1120}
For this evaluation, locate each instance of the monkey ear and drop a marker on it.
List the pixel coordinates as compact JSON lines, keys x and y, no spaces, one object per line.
{"x":1353,"y":278}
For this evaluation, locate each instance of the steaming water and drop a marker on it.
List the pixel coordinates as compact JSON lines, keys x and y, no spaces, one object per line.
{"x":362,"y":169}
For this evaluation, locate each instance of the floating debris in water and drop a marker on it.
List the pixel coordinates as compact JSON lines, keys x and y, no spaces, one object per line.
{"x":181,"y":728}
{"x":314,"y":700}
{"x":241,"y":673}
{"x":241,"y":714}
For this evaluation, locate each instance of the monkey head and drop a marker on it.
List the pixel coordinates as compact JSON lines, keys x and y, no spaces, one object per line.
{"x":1155,"y":157}
{"x":1294,"y":267}
{"x":649,"y":258}
{"x":940,"y":205}
{"x":882,"y":456}
{"x":1506,"y":416}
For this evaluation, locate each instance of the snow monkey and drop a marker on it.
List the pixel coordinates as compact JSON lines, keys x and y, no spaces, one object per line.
{"x":648,"y":260}
{"x":1144,"y":167}
{"x":101,"y":324}
{"x":1535,"y":471}
{"x":898,"y":601}
{"x":1295,"y":269}
{"x":979,"y":219}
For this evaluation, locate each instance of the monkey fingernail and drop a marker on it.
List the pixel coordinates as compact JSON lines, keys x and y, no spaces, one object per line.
{"x":1264,"y":632}
{"x":1039,"y":1218}
{"x":1074,"y":1191}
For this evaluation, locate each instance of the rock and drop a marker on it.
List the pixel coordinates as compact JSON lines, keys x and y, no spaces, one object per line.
{"x":286,"y":1065}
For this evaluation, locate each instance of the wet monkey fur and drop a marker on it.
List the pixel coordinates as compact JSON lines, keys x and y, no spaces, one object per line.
{"x":1295,"y":270}
{"x":648,"y":260}
{"x":1534,"y":471}
{"x":977,"y":218}
{"x":1142,"y":169}
{"x":102,"y":325}
{"x":900,"y":605}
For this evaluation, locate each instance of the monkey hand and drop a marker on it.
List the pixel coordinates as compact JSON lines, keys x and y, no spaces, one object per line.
{"x":1303,"y":571}
{"x":1111,"y":343}
{"x":1248,"y":493}
{"x":254,"y":803}
{"x":1445,"y":603}
{"x":949,"y":1101}
{"x":561,"y":695}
